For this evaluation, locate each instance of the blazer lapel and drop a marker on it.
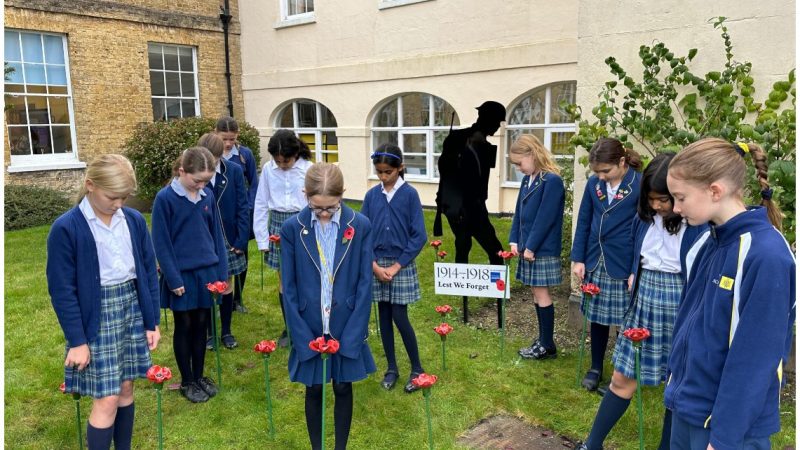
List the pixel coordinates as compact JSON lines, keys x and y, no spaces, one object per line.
{"x":345,"y":221}
{"x":222,"y":180}
{"x":535,"y":184}
{"x":600,"y":192}
{"x":625,"y":188}
{"x":308,"y":238}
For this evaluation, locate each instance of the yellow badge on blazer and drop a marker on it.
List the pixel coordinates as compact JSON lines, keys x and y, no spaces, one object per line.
{"x":726,"y":283}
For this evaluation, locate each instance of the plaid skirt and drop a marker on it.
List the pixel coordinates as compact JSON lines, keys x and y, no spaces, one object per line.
{"x":119,"y":352}
{"x":276,"y":220}
{"x":607,"y":308}
{"x":236,"y":263}
{"x":402,"y":290}
{"x":655,"y":308}
{"x":544,"y":271}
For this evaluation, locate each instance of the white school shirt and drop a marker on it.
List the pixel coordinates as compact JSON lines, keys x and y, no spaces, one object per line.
{"x":661,"y":251}
{"x":219,"y":170}
{"x":181,"y":191}
{"x":326,"y":241}
{"x":114,"y":248}
{"x":611,"y":191}
{"x":278,"y":190}
{"x":400,"y":181}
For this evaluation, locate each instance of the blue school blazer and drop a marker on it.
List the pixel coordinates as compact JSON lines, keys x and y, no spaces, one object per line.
{"x":539,"y":215}
{"x":352,"y":298}
{"x":232,"y":204}
{"x":640,"y":228}
{"x":605,"y":230}
{"x":73,"y":274}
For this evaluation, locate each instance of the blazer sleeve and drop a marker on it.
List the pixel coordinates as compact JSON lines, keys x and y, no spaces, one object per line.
{"x":149,"y":261}
{"x":301,"y":333}
{"x":162,"y":243}
{"x":417,"y":235}
{"x":513,"y":236}
{"x":242,"y":214}
{"x":583,"y":227}
{"x":357,"y":327}
{"x":546,"y":219}
{"x":252,"y":177}
{"x":261,"y":211}
{"x":62,"y":283}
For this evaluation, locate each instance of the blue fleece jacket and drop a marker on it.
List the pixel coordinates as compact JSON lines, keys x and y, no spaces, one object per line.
{"x":733,"y":331}
{"x":604,"y":229}
{"x":539,"y":215}
{"x":398,"y":226}
{"x":73,"y":274}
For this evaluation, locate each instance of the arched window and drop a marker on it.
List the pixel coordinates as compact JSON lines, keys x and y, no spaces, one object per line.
{"x":538,"y":113}
{"x":315,"y":125}
{"x":417,"y":123}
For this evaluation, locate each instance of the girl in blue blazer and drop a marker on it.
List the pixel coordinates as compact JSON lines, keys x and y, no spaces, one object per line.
{"x":101,"y":275}
{"x":661,"y":243}
{"x":326,"y":268}
{"x":536,"y":235}
{"x":602,"y":249}
{"x":187,"y":236}
{"x":228,"y":187}
{"x":394,"y":209}
{"x":228,"y":129}
{"x":735,"y":324}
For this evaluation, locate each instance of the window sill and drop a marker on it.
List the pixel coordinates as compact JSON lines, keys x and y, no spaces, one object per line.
{"x":295,"y":21}
{"x":45,"y":166}
{"x":511,"y":184}
{"x":410,"y":179}
{"x":386,"y":4}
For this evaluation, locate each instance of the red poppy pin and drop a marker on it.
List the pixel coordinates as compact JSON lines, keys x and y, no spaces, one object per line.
{"x":349,"y":232}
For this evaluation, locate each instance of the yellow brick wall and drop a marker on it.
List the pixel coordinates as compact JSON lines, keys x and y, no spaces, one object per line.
{"x":108,"y":63}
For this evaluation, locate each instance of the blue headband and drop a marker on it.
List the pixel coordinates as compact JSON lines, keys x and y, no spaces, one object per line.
{"x":391,"y":155}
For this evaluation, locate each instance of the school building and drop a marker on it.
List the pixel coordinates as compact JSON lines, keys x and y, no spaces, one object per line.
{"x":350,"y":74}
{"x":86,"y":73}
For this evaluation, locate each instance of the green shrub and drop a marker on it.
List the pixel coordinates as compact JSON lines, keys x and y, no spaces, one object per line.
{"x":154,"y":147}
{"x":28,"y":206}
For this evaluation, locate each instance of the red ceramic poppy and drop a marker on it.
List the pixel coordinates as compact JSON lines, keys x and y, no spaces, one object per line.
{"x":265,"y":347}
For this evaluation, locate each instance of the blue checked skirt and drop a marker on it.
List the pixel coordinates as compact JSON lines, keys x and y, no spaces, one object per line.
{"x":236,"y":263}
{"x":276,"y":220}
{"x":544,"y":271}
{"x":402,"y":290}
{"x":654,"y":308}
{"x":119,"y":352}
{"x":607,"y":308}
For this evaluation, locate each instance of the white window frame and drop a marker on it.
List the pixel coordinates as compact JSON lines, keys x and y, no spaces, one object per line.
{"x":180,"y":71}
{"x":287,"y":20}
{"x":386,"y":4}
{"x":547,"y":127}
{"x":316,"y":131}
{"x":428,"y":131}
{"x":52,"y":161}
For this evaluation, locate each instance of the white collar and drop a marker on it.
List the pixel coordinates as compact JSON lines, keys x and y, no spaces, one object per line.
{"x":400,"y":181}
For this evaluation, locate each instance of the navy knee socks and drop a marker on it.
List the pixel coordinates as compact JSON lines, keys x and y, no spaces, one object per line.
{"x":612,"y":407}
{"x":123,"y":427}
{"x":599,"y":335}
{"x":539,"y":320}
{"x":99,"y":438}
{"x":546,"y":325}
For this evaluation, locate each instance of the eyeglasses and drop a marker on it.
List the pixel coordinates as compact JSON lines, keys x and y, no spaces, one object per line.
{"x":331,"y":210}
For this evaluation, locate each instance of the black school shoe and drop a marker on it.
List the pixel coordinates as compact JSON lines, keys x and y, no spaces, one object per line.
{"x":389,"y":379}
{"x":208,"y":386}
{"x":538,"y":351}
{"x":194,"y":393}
{"x":283,"y":340}
{"x":410,"y":387}
{"x":592,"y":379}
{"x":229,"y":342}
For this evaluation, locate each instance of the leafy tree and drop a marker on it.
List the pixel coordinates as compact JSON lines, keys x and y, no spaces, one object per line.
{"x":671,"y":107}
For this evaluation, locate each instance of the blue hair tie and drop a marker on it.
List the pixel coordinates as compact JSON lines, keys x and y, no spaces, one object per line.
{"x":766,"y":194}
{"x":391,"y":155}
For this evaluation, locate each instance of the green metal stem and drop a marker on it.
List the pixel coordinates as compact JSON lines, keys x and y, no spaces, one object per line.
{"x":324,"y":379}
{"x":78,"y":421}
{"x":582,"y":344}
{"x":637,"y":347}
{"x":269,"y":397}
{"x":444,"y":360}
{"x":427,"y":394}
{"x":216,"y":340}
{"x":159,"y":418}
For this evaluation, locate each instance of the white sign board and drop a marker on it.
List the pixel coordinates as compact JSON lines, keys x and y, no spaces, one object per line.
{"x":471,"y":280}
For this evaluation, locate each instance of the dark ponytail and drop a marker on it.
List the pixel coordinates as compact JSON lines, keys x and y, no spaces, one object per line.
{"x":759,"y":157}
{"x":611,"y":151}
{"x":389,"y":154}
{"x":286,"y":144}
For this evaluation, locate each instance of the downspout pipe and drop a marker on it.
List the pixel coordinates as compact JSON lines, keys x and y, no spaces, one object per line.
{"x":225,"y":17}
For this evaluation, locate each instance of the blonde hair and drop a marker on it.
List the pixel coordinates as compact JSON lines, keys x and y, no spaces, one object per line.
{"x":112,"y":173}
{"x":324,"y":179}
{"x":713,"y":159}
{"x":213,"y":143}
{"x":528,"y":144}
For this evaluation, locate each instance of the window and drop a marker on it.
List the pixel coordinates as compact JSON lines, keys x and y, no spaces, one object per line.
{"x":38,"y":100}
{"x":315,"y":125}
{"x":173,"y":81}
{"x":538,"y":113}
{"x":417,"y":123}
{"x":296,"y":9}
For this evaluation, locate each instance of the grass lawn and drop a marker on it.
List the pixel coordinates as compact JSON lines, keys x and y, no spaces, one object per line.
{"x":477,"y":383}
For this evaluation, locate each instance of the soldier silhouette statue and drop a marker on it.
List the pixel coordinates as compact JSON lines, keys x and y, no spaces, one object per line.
{"x":464,"y":166}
